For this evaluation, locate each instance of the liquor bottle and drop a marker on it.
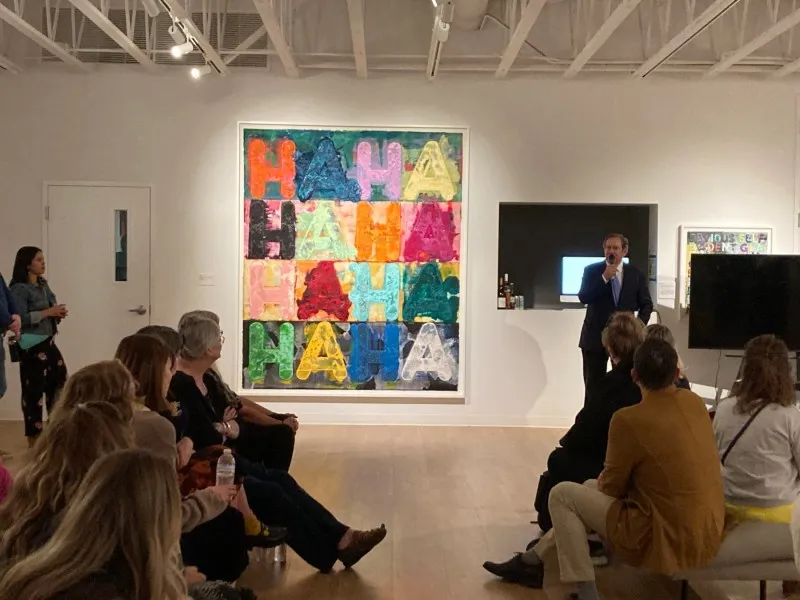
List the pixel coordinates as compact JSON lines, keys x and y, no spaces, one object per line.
{"x":507,"y":291}
{"x":501,"y":295}
{"x":513,"y":298}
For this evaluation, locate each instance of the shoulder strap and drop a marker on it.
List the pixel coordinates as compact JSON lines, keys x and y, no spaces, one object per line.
{"x":741,"y":432}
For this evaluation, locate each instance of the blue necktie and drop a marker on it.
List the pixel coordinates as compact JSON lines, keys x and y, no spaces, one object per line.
{"x":615,"y":286}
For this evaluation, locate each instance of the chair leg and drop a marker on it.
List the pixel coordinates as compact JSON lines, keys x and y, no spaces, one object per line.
{"x":684,"y":590}
{"x":762,"y":590}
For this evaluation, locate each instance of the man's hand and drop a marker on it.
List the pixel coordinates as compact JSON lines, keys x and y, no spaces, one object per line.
{"x":610,"y":272}
{"x":230,"y":414}
{"x":292,"y":422}
{"x":226,"y":493}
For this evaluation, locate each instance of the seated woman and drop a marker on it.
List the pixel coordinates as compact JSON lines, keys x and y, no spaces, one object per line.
{"x":758,"y":437}
{"x":582,"y":450}
{"x":263,"y":436}
{"x":657,"y":331}
{"x":218,"y":547}
{"x":118,"y":538}
{"x":314,"y":533}
{"x":72,"y":442}
{"x":660,"y":446}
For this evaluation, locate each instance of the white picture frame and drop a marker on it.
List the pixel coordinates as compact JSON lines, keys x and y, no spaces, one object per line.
{"x":759,"y":239}
{"x":351,"y":395}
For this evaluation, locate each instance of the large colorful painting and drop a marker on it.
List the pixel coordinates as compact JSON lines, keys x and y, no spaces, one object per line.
{"x":718,"y":240}
{"x":352,"y":260}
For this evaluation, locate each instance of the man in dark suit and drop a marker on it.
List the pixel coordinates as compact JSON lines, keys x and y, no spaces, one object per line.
{"x":608,"y":287}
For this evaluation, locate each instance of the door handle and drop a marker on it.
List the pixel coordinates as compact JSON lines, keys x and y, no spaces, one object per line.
{"x":139,"y":310}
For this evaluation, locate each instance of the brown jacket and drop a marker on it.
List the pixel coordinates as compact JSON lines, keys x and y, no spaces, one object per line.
{"x":155,"y":433}
{"x":663,"y":466}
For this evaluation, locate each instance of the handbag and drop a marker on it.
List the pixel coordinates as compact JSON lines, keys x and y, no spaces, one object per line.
{"x":741,"y":432}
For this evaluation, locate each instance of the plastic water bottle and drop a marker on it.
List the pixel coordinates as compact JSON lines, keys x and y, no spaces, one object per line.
{"x":226,"y":468}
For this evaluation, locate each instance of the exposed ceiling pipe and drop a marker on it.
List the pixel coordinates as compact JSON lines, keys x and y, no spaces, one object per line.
{"x":469,"y":13}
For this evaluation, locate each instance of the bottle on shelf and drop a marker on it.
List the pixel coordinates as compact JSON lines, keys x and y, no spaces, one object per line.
{"x":513,"y":304}
{"x":507,"y":290}
{"x":501,"y":295}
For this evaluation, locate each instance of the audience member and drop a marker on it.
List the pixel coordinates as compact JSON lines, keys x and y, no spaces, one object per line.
{"x":42,"y":370}
{"x":758,"y":437}
{"x":582,"y":450}
{"x":73,"y":441}
{"x":9,"y":321}
{"x":262,"y":436}
{"x":215,"y":536}
{"x":657,"y":331}
{"x":314,"y":533}
{"x":658,"y":502}
{"x":118,"y":538}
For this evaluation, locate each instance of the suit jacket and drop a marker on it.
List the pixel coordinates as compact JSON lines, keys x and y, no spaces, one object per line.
{"x":599,"y":300}
{"x":662,"y":465}
{"x":589,"y":435}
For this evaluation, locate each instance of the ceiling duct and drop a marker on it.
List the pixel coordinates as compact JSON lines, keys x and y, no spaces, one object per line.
{"x":469,"y":13}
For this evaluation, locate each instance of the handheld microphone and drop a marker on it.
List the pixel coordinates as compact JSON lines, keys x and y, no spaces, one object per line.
{"x":611,"y":259}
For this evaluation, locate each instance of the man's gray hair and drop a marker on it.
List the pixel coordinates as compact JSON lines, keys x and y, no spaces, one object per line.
{"x":199,"y":314}
{"x":199,"y":334}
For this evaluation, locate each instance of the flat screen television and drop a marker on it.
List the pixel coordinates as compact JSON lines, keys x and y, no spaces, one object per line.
{"x":572,"y":272}
{"x":737,"y":297}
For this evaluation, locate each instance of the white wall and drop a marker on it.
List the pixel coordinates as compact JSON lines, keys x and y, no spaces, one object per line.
{"x":705,"y":153}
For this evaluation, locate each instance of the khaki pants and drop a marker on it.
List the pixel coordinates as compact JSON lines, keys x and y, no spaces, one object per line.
{"x":575,"y":509}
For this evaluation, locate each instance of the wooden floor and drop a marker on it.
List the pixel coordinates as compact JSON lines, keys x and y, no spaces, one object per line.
{"x":450,"y":497}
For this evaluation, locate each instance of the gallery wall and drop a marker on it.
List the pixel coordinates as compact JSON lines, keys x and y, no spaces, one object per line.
{"x":707,"y":154}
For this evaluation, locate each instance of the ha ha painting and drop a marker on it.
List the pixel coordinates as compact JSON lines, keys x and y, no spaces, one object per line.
{"x":352,"y":262}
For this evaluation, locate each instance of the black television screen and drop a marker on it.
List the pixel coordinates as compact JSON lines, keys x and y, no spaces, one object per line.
{"x":735,"y":298}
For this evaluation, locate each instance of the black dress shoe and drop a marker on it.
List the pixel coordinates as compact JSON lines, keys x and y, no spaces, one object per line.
{"x":516,"y":571}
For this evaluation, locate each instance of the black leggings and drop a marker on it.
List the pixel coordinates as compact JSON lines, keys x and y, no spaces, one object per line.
{"x":272,"y":445}
{"x":277,"y":499}
{"x":42,"y":374}
{"x":218,"y":548}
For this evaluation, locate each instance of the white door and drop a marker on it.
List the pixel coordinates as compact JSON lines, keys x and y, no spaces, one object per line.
{"x":97,"y":254}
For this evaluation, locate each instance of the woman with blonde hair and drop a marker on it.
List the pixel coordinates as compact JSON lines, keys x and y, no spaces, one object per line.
{"x":119,"y":538}
{"x":657,"y":331}
{"x":72,"y":442}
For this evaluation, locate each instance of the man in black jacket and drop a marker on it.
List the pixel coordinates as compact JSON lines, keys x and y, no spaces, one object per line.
{"x":608,"y":287}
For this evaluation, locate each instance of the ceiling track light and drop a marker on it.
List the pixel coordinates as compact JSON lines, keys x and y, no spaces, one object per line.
{"x":181,"y":50}
{"x":198,"y":72}
{"x":176,"y":33}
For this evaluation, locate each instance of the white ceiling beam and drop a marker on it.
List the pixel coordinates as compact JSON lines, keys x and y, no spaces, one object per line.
{"x":28,"y":30}
{"x":770,"y":34}
{"x":177,"y":11}
{"x":96,"y":16}
{"x":609,"y":26}
{"x":246,"y":44}
{"x":9,"y":65}
{"x":529,"y":15}
{"x":356,"y":10}
{"x":267,"y":12}
{"x":709,"y":15}
{"x":792,"y":67}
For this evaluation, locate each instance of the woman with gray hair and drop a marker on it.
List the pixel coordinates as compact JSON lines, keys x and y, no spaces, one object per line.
{"x":257,"y":433}
{"x":275,"y":497}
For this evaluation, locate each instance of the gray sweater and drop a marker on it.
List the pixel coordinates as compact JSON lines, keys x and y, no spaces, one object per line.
{"x":761,"y":470}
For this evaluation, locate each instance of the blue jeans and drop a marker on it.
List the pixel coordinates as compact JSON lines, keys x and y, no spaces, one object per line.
{"x":3,"y":387}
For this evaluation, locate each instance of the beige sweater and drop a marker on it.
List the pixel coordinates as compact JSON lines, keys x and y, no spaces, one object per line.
{"x":155,"y":433}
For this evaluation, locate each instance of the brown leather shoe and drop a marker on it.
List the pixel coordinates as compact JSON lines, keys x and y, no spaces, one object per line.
{"x":363,"y":542}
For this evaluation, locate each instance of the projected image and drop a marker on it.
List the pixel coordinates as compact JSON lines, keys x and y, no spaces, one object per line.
{"x":572,"y":272}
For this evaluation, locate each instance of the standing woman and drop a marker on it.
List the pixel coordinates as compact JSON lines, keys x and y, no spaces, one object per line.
{"x":41,"y":367}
